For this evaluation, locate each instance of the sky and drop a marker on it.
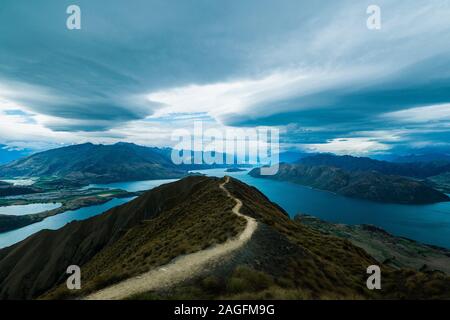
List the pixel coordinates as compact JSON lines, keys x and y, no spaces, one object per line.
{"x":138,"y":70}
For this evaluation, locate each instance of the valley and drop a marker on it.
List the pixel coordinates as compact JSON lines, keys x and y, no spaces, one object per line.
{"x":70,"y":199}
{"x":63,"y":175}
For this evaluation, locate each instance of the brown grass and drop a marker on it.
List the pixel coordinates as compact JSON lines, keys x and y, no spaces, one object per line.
{"x":204,"y":221}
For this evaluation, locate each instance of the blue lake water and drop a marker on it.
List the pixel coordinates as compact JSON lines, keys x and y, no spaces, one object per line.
{"x":425,"y":223}
{"x":133,"y":186}
{"x":20,"y":210}
{"x":57,"y":221}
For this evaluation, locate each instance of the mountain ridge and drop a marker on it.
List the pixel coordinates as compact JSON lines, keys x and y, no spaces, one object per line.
{"x":185,"y":267}
{"x":364,"y":185}
{"x":351,"y":163}
{"x":90,"y":163}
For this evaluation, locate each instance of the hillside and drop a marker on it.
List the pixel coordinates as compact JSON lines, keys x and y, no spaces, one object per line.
{"x":283,"y":259}
{"x":153,"y":229}
{"x":8,"y":189}
{"x":89,"y":163}
{"x":350,"y":163}
{"x":398,"y":252}
{"x":363,"y":185}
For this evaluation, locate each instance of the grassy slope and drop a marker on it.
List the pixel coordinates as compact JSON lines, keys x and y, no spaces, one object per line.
{"x":301,"y":263}
{"x":203,"y":220}
{"x":26,"y":274}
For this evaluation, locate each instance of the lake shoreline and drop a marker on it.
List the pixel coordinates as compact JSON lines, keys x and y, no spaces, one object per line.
{"x":78,"y":199}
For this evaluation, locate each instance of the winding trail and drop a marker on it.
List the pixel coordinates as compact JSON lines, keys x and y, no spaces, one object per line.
{"x":181,"y":268}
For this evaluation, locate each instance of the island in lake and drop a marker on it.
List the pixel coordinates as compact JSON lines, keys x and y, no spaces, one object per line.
{"x":235,"y":169}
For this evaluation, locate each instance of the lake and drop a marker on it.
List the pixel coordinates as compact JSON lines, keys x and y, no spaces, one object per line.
{"x":21,"y":210}
{"x":425,"y":223}
{"x":133,"y":186}
{"x":57,"y":221}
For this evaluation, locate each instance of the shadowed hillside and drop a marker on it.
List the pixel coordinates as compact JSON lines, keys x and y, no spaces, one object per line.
{"x":8,"y":189}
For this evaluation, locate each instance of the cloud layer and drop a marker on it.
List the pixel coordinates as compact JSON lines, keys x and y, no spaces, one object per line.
{"x":136,"y":71}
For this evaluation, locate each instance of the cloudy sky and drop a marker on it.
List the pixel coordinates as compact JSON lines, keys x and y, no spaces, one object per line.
{"x":139,"y":69}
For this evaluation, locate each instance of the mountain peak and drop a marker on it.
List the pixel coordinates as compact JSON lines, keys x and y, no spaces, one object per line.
{"x":90,"y":163}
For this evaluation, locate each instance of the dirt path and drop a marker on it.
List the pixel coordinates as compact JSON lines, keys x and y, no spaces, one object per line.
{"x":181,"y":268}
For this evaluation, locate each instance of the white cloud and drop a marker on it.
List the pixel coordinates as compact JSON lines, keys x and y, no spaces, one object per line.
{"x":263,"y":96}
{"x":354,"y":146}
{"x":433,"y":113}
{"x":225,"y":97}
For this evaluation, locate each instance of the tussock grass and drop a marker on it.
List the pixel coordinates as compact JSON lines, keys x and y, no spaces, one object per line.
{"x":318,"y":267}
{"x":296,"y":261}
{"x":204,"y":220}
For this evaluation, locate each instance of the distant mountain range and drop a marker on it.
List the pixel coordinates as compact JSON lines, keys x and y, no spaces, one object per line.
{"x":283,"y":259}
{"x":369,"y":185}
{"x":98,"y":163}
{"x":350,"y":163}
{"x":292,"y":156}
{"x":90,"y":163}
